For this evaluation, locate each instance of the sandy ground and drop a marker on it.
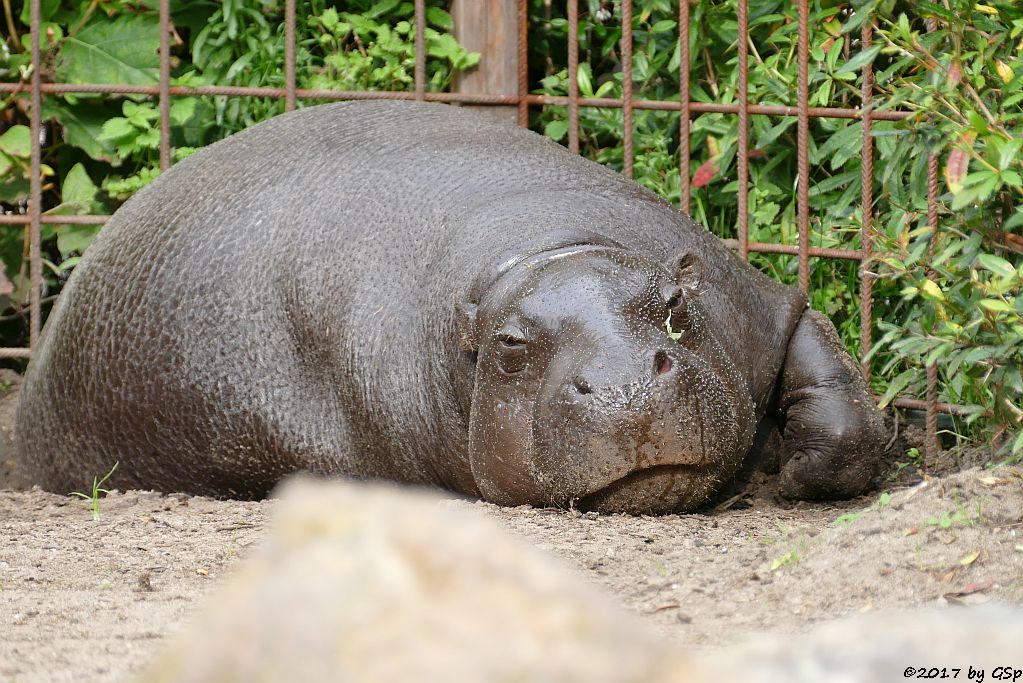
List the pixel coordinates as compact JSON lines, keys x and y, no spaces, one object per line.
{"x":89,"y":599}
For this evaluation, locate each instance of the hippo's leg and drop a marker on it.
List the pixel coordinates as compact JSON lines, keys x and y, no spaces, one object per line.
{"x":832,"y":434}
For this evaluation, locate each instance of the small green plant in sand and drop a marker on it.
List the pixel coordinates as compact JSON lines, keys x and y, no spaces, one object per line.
{"x":913,"y":460}
{"x":848,"y":518}
{"x":946,"y":520}
{"x":883,"y":501}
{"x":791,"y":557}
{"x":97,"y":488}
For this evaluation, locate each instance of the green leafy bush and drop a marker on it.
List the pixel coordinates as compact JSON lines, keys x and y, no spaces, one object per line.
{"x":964,"y":80}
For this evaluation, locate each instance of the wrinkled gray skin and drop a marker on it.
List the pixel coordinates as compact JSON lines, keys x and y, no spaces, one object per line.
{"x":412,"y":292}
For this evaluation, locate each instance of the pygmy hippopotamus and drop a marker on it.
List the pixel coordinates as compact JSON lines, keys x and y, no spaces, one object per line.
{"x":412,"y":292}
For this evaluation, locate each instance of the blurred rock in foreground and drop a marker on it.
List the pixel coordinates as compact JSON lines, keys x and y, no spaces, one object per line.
{"x":920,"y":644}
{"x":371,"y":583}
{"x":366,"y":583}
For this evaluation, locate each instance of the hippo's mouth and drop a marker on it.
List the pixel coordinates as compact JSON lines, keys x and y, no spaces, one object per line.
{"x":658,"y":490}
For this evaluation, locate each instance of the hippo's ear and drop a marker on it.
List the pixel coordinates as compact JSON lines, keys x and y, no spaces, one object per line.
{"x":688,"y":270}
{"x":465,"y":317}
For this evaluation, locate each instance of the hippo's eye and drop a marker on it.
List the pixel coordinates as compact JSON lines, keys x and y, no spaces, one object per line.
{"x":511,"y":356}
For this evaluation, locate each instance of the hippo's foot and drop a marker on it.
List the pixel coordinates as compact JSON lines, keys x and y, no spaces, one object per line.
{"x":833,"y":435}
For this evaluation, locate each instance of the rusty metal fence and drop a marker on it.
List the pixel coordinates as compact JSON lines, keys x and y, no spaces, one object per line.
{"x":523,"y":100}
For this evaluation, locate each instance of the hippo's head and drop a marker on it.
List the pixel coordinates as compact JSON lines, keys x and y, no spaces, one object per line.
{"x":583,"y":397}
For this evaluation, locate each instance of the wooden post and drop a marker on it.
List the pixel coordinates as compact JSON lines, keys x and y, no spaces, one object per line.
{"x":489,"y":27}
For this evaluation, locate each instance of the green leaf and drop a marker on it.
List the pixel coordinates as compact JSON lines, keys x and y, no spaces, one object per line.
{"x":6,"y":163}
{"x":46,"y":10}
{"x":860,"y":60}
{"x":12,"y":191}
{"x":239,"y":66}
{"x":996,"y":264}
{"x":1014,"y":221}
{"x":585,"y":84}
{"x":1008,"y":151}
{"x":860,"y":16}
{"x":841,"y":145}
{"x":122,"y":188}
{"x":996,"y":305}
{"x":182,"y":109}
{"x":382,"y":7}
{"x":834,"y":182}
{"x":935,"y":9}
{"x":904,"y":30}
{"x":772,"y":133}
{"x":929,"y":290}
{"x":117,"y":129}
{"x":1010,"y":177}
{"x":183,"y":152}
{"x":439,"y":18}
{"x":847,"y":518}
{"x":81,"y":126}
{"x":69,"y":263}
{"x":140,"y":114}
{"x":122,"y":50}
{"x":443,"y":45}
{"x":75,"y":238}
{"x":556,"y":129}
{"x":66,"y":209}
{"x":605,"y":89}
{"x":78,"y":187}
{"x":896,"y":386}
{"x":17,"y":141}
{"x":149,"y":139}
{"x":329,"y":18}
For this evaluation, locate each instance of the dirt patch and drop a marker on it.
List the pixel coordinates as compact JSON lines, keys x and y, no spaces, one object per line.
{"x":710,"y":579}
{"x":91,"y":600}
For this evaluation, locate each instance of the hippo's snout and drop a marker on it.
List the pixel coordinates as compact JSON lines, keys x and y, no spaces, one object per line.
{"x":656,"y":427}
{"x":643,"y":417}
{"x":583,"y":385}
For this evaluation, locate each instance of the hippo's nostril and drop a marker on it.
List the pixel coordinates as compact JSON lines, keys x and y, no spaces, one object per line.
{"x":662,"y":364}
{"x":582,"y":386}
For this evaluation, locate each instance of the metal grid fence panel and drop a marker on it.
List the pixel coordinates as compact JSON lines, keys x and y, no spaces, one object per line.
{"x":523,"y":100}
